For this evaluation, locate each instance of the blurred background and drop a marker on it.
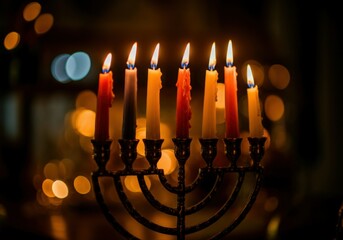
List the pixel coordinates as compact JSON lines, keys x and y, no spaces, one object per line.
{"x":51,"y":54}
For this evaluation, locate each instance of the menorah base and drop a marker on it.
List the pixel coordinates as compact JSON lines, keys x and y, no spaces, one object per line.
{"x":185,"y":209}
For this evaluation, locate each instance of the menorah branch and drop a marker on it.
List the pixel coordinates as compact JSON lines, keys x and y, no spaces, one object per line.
{"x":181,"y":211}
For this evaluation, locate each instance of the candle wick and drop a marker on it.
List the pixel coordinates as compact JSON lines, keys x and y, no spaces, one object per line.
{"x":153,"y":66}
{"x":229,"y":64}
{"x":184,"y":65}
{"x":130,"y":66}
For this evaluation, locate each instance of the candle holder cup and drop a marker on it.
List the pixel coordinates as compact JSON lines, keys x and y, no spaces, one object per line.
{"x":181,"y":190}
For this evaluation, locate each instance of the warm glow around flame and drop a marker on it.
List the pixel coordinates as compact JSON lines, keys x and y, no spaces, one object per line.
{"x":250,"y":77}
{"x":107,"y":63}
{"x":213,"y":60}
{"x":154,"y":58}
{"x":132,"y":56}
{"x":185,"y":58}
{"x":229,"y":54}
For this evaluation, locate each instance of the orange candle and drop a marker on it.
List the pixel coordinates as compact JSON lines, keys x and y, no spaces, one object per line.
{"x":231,"y":106}
{"x":255,"y":118}
{"x":183,"y":107}
{"x":104,"y":101}
{"x":130,"y":97}
{"x":209,"y":129}
{"x":153,"y":98}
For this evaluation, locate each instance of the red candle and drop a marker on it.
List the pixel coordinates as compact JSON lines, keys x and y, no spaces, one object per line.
{"x":231,"y":106}
{"x":183,"y":107}
{"x":104,"y":101}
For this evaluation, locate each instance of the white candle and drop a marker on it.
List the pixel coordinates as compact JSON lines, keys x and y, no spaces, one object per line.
{"x":153,"y":98}
{"x":130,"y":97}
{"x":210,"y":98}
{"x":255,"y":118}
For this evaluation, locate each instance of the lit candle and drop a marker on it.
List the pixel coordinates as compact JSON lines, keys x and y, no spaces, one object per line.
{"x":153,"y":98}
{"x":183,"y":107}
{"x":130,"y":97}
{"x":255,"y":118}
{"x":231,"y":107}
{"x":104,"y":101}
{"x":210,"y":98}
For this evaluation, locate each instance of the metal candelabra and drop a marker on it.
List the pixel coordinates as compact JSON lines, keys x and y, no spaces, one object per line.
{"x":128,"y":154}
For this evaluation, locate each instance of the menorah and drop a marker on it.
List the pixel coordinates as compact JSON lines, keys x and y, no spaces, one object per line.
{"x":128,"y":154}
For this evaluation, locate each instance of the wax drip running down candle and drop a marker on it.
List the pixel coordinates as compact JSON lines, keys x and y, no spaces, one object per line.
{"x":183,"y":107}
{"x":104,"y":101}
{"x":210,"y":98}
{"x":130,"y":97}
{"x":231,"y":106}
{"x":153,"y":98}
{"x":255,"y":118}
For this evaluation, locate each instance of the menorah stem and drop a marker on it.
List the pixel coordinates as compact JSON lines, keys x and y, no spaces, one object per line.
{"x":182,"y":153}
{"x":181,"y":203}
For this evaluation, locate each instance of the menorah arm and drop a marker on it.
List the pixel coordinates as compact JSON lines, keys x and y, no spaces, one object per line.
{"x":135,"y":214}
{"x":167,"y":185}
{"x":106,"y":211}
{"x":189,"y":188}
{"x":222,"y":210}
{"x":196,"y":207}
{"x":245,"y":210}
{"x":152,"y":200}
{"x":196,"y":182}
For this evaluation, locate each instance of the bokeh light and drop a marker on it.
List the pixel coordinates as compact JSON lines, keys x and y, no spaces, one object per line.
{"x":11,"y":40}
{"x":31,"y":11}
{"x":50,"y":170}
{"x":279,"y":76}
{"x":78,"y":65}
{"x":85,"y":122}
{"x":140,"y":134}
{"x":273,"y":227}
{"x":86,"y":99}
{"x":131,"y":183}
{"x":47,"y":187}
{"x":60,"y":189}
{"x":82,"y":185}
{"x":280,"y":136}
{"x":168,"y":161}
{"x":58,"y":68}
{"x":274,"y":107}
{"x":43,"y":23}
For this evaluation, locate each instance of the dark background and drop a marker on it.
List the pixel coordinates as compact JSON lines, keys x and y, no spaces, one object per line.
{"x":305,"y":38}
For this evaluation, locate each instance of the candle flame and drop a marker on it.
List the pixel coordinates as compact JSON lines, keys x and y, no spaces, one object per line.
{"x":185,"y":58}
{"x":154,"y":58}
{"x":213,"y":60}
{"x":132,"y":57}
{"x":107,"y":63}
{"x":250,"y":77}
{"x":229,"y":54}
